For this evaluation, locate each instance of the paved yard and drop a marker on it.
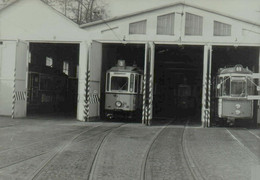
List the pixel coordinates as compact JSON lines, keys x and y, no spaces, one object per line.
{"x":63,"y":148}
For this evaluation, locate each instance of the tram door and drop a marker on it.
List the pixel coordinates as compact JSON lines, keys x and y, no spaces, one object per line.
{"x":94,"y":68}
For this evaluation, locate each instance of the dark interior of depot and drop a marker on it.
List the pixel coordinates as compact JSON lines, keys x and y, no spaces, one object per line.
{"x":111,"y":53}
{"x":53,"y":79}
{"x":229,"y":56}
{"x":177,"y":81}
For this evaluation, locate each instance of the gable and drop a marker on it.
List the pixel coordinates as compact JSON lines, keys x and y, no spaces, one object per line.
{"x":34,"y":20}
{"x":188,"y":24}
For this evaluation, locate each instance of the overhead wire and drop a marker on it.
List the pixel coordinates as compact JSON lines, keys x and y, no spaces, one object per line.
{"x":111,"y":29}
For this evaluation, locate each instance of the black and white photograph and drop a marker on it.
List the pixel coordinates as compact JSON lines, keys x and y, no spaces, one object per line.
{"x":129,"y":90}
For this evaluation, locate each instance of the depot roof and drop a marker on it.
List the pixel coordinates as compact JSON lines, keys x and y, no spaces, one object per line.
{"x":163,"y":7}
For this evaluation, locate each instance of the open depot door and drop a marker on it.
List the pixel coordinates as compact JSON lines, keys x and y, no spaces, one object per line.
{"x":13,"y":75}
{"x":93,"y":80}
{"x":20,"y":82}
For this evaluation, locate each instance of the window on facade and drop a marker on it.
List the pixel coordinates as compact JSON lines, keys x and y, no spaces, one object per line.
{"x":137,"y":27}
{"x":165,"y":24}
{"x":49,"y":61}
{"x":66,"y":67}
{"x":222,"y":29}
{"x":193,"y":25}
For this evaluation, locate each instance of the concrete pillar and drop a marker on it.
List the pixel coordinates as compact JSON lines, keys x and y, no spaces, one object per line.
{"x":83,"y":56}
{"x":206,"y":85}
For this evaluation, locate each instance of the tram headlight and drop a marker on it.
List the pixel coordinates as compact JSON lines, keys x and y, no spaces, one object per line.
{"x":238,"y":106}
{"x":118,"y":104}
{"x":237,"y":112}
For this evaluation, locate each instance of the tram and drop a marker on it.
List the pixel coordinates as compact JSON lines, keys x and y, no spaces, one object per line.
{"x":186,"y":100}
{"x":123,"y":94}
{"x":47,"y":90}
{"x":233,"y":86}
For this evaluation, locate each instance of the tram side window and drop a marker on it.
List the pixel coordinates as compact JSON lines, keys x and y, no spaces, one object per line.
{"x":219,"y":86}
{"x":238,"y":88}
{"x":250,"y":87}
{"x":226,"y":86}
{"x":131,"y":82}
{"x":136,"y":83}
{"x":119,"y":83}
{"x":108,"y":78}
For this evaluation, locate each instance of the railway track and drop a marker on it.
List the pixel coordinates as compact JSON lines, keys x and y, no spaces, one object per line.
{"x":244,"y":142}
{"x":144,"y":163}
{"x":75,"y":139}
{"x":190,"y":163}
{"x":38,"y":142}
{"x":99,"y":149}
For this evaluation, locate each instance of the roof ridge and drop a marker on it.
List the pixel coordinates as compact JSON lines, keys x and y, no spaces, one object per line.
{"x":163,"y":7}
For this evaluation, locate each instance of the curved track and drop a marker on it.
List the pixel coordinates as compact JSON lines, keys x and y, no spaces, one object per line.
{"x":96,"y":156}
{"x":57,"y":152}
{"x":149,"y":149}
{"x":39,"y":154}
{"x":193,"y":168}
{"x":74,"y":139}
{"x":190,"y":164}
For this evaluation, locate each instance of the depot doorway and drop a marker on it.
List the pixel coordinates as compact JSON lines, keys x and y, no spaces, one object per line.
{"x":177,"y":81}
{"x":230,"y":56}
{"x":53,"y":79}
{"x":132,"y":54}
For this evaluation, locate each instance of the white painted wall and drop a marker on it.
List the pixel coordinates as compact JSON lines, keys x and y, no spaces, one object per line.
{"x":33,"y":20}
{"x":243,"y":33}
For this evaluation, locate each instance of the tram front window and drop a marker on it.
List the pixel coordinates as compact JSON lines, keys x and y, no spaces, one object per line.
{"x":119,"y":83}
{"x":238,"y":87}
{"x":226,"y":86}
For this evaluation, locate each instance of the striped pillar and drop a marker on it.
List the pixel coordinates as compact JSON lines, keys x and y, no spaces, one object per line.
{"x":87,"y":96}
{"x":204,"y":102}
{"x":209,"y":85}
{"x":13,"y":102}
{"x":206,"y":86}
{"x":144,"y":98}
{"x":208,"y":101}
{"x":150,"y":99}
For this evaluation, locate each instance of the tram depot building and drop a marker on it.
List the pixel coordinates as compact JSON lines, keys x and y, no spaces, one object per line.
{"x":48,"y":64}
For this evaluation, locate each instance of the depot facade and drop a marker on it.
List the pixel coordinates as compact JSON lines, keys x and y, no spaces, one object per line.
{"x":167,"y":26}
